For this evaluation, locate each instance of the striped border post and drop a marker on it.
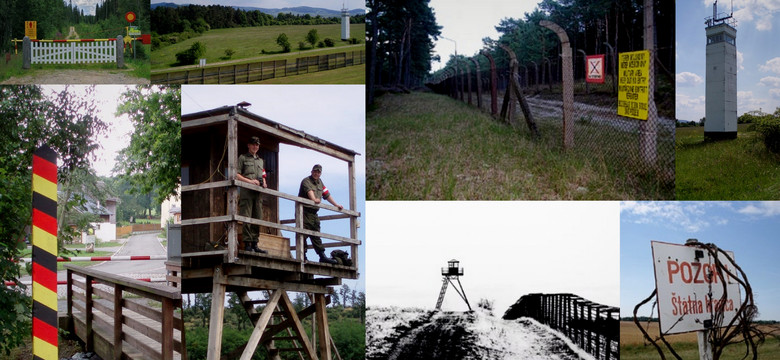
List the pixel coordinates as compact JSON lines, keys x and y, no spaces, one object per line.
{"x":44,"y":254}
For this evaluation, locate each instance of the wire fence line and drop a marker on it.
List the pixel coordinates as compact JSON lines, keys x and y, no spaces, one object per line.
{"x":642,"y":149}
{"x":259,"y":71}
{"x":594,"y":327}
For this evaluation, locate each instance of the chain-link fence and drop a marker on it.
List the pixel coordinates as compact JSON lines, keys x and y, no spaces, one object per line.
{"x":639,"y":152}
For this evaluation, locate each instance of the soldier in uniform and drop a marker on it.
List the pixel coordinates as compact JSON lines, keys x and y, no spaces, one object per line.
{"x":313,"y":189}
{"x":250,"y":204}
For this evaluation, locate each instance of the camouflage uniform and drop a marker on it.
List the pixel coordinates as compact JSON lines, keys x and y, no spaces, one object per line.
{"x":310,"y":219}
{"x":250,"y":203}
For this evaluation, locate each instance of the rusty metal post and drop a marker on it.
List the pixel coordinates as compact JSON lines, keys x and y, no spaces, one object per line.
{"x":468,"y":80}
{"x":549,"y":73}
{"x":525,"y":78}
{"x":612,"y":64}
{"x":514,"y":87}
{"x":479,"y":82}
{"x":585,"y":60}
{"x":648,"y":129}
{"x":536,"y":75}
{"x":568,"y":83}
{"x":493,"y":85}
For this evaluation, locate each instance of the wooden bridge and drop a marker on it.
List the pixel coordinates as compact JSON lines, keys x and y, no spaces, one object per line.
{"x":123,"y":318}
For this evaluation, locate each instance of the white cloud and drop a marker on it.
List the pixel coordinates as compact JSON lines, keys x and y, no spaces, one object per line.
{"x":772,"y":65}
{"x":775,"y":93}
{"x":688,"y":79}
{"x":689,"y":216}
{"x":740,"y":60}
{"x":766,"y":209}
{"x":761,"y":12}
{"x":772,"y":81}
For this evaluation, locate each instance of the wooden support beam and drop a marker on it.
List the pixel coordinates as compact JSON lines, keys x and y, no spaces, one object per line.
{"x":192,"y":124}
{"x":232,"y":205}
{"x":248,"y":282}
{"x":322,"y":328}
{"x":260,"y":325}
{"x":298,"y":327}
{"x":206,"y":186}
{"x":118,"y":322}
{"x":300,"y":140}
{"x":217,"y":314}
{"x":167,"y":330}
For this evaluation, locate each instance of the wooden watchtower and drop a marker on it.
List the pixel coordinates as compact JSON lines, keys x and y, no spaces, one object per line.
{"x":213,"y":259}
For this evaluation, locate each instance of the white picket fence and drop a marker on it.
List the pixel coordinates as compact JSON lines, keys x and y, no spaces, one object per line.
{"x":81,"y":52}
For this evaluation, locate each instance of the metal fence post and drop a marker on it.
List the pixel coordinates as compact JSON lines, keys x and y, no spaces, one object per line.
{"x":648,"y":129}
{"x":568,"y":83}
{"x":479,"y":82}
{"x":493,"y":85}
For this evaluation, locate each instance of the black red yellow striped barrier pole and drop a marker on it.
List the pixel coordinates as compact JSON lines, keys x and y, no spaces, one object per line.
{"x":44,"y":254}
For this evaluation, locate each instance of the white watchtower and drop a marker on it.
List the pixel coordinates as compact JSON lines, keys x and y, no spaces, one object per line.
{"x":344,"y":23}
{"x":721,"y":77}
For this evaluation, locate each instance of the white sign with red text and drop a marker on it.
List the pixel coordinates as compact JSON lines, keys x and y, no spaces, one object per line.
{"x":690,"y":288}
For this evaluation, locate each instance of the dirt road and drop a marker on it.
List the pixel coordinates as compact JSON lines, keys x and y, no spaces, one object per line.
{"x":78,"y":77}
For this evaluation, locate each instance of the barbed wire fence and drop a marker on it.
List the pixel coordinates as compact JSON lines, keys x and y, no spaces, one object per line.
{"x":640,"y":152}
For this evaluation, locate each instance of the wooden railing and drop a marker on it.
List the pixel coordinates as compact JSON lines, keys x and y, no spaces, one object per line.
{"x":259,"y":71}
{"x":593,"y":327}
{"x":352,"y":241}
{"x":143,"y":326}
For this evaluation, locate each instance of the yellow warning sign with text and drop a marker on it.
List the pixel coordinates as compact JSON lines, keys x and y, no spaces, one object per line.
{"x":634,"y":69}
{"x":31,"y":29}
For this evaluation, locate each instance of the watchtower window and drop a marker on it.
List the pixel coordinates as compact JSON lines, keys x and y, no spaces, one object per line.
{"x":716,"y":38}
{"x":731,"y":40}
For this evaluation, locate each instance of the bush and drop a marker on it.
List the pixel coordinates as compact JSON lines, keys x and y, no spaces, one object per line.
{"x":329,"y":42}
{"x":282,"y":41}
{"x":140,"y":52}
{"x":301,"y":45}
{"x":191,"y":55}
{"x":769,"y":128}
{"x":320,"y":44}
{"x":354,"y":41}
{"x":229,"y":53}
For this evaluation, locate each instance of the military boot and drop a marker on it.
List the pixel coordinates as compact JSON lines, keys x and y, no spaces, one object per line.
{"x":252,"y":246}
{"x":325,"y":259}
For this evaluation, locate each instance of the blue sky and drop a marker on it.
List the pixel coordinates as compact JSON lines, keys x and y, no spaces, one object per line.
{"x":758,"y":56}
{"x":750,"y":229}
{"x":333,"y":113}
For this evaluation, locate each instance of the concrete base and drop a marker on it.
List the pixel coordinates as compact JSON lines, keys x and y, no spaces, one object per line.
{"x":719,"y":135}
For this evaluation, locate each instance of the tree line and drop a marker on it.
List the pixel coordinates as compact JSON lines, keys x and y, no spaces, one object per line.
{"x":401,"y":38}
{"x":53,"y":18}
{"x":169,"y":20}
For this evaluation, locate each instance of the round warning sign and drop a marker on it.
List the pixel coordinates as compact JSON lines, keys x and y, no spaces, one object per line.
{"x":130,"y":16}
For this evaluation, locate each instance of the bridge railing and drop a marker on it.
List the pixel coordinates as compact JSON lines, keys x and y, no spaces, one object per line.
{"x":115,"y":326}
{"x":593,"y":327}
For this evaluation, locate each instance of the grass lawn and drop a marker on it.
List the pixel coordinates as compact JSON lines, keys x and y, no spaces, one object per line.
{"x":348,"y":75}
{"x":740,"y":169}
{"x":250,"y":42}
{"x":140,"y":68}
{"x":633,"y":347}
{"x":423,"y":146}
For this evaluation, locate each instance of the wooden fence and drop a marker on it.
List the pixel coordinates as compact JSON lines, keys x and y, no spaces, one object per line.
{"x":73,"y":52}
{"x":125,"y":230}
{"x":259,"y":71}
{"x":119,"y":327}
{"x":593,"y":327}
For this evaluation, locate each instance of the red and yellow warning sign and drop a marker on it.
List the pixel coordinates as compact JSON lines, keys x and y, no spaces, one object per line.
{"x":31,"y":29}
{"x":44,"y":254}
{"x":130,"y":16}
{"x":594,"y":69}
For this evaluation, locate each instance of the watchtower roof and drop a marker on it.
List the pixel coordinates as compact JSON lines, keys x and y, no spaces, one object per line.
{"x":288,"y":135}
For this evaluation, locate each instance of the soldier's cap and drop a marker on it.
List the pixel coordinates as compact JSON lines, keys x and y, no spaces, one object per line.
{"x":254,"y":140}
{"x":317,"y":167}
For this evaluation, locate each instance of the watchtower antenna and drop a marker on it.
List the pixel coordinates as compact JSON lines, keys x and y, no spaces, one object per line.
{"x":452,"y":272}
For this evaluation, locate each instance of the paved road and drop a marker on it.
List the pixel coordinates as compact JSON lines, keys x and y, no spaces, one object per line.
{"x":142,"y":244}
